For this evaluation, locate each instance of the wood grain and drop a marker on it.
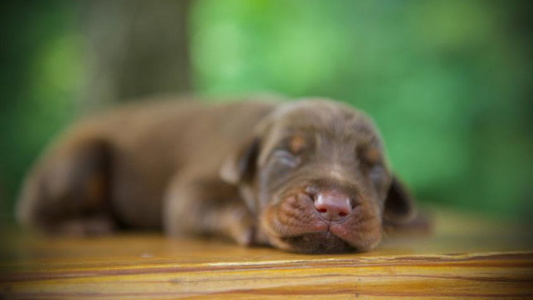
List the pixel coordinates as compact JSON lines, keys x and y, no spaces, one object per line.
{"x":465,"y":257}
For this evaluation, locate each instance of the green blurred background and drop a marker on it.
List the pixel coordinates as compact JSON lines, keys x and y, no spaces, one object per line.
{"x":449,"y":82}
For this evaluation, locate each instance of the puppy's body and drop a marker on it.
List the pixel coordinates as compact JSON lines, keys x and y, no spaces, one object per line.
{"x":298,"y":176}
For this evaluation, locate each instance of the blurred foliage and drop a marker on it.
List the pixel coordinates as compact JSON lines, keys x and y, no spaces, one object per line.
{"x":447,"y":82}
{"x":41,"y":72}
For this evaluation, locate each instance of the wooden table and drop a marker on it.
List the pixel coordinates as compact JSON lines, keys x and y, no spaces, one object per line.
{"x":465,"y":257}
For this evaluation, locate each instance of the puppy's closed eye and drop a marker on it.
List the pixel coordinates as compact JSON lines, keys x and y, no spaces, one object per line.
{"x":286,"y":158}
{"x":376,"y":173}
{"x":378,"y":176}
{"x":289,"y":153}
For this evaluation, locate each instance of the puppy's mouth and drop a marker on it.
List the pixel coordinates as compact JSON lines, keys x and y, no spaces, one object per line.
{"x":293,"y":224}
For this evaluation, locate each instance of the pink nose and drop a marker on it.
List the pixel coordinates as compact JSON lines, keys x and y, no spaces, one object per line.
{"x":333,"y":206}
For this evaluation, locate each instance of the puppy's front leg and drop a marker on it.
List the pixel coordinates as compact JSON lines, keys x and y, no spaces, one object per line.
{"x":201,"y":206}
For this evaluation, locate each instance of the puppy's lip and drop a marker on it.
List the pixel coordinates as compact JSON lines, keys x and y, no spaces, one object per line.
{"x":319,"y":227}
{"x":316,"y":226}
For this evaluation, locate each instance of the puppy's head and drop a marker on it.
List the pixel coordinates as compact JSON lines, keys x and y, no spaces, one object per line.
{"x":316,"y":177}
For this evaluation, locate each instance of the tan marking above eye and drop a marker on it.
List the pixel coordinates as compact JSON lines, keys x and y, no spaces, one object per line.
{"x":296,"y":144}
{"x":373,"y":155}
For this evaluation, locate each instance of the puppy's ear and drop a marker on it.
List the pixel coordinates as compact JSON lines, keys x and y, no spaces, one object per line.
{"x":399,"y":206}
{"x":240,"y":166}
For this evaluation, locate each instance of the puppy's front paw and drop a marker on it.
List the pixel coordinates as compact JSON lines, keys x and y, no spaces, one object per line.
{"x":243,"y":229}
{"x":244,"y":236}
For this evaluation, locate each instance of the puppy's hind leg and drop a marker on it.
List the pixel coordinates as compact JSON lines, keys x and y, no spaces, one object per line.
{"x":68,"y":192}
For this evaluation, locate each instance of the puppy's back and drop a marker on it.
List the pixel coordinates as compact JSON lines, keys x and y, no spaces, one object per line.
{"x":132,"y":153}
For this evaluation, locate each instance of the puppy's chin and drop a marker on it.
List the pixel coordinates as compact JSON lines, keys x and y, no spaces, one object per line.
{"x":320,"y":243}
{"x":315,"y":243}
{"x":293,"y":224}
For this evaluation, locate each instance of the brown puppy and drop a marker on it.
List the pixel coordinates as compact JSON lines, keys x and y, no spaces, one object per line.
{"x":306,"y":176}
